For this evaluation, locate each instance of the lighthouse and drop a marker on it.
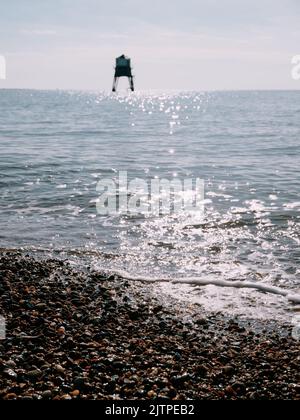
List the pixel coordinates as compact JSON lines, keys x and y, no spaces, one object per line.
{"x":123,"y":69}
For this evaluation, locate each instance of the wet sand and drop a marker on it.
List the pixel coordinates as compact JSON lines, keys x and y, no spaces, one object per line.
{"x":75,"y":334}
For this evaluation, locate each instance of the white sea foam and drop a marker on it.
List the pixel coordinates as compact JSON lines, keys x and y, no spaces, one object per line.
{"x":295,"y":298}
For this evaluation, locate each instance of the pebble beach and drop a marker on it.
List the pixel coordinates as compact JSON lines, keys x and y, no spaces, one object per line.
{"x":77,"y":334}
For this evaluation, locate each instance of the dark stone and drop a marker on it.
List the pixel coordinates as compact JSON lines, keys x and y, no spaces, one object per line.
{"x":79,"y":382}
{"x":239,"y":387}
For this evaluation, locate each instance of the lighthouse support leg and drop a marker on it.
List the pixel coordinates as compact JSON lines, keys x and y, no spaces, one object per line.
{"x":115,"y":84}
{"x":131,"y":83}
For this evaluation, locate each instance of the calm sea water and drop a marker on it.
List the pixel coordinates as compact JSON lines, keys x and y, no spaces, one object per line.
{"x":55,"y":146}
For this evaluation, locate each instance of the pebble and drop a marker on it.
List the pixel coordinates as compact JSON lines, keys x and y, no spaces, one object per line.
{"x":239,"y":387}
{"x":228,"y":370}
{"x":10,"y":396}
{"x":59,"y":369}
{"x":79,"y":382}
{"x":47,"y":394}
{"x":151,"y":394}
{"x":75,"y":393}
{"x":10,"y":373}
{"x":11,"y":364}
{"x":34,"y":374}
{"x":61,"y":331}
{"x":66,"y":397}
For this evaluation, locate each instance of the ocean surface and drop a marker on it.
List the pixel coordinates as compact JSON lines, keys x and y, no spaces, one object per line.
{"x":55,"y":146}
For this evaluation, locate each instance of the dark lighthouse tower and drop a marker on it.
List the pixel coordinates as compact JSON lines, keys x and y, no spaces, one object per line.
{"x":123,"y":69}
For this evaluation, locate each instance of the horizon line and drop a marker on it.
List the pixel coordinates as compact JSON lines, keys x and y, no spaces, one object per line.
{"x":151,"y":89}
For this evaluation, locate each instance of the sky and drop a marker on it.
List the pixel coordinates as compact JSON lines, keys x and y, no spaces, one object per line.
{"x":173,"y":44}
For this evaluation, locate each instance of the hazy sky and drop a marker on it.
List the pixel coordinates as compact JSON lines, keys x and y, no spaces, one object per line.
{"x":174,"y":44}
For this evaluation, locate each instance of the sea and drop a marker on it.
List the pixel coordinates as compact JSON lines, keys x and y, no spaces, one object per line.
{"x":237,"y":253}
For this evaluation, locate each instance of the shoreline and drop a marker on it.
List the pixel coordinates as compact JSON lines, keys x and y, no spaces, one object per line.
{"x":81,"y":335}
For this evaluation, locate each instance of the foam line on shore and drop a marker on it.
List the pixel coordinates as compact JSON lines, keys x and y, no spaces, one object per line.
{"x":295,"y":298}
